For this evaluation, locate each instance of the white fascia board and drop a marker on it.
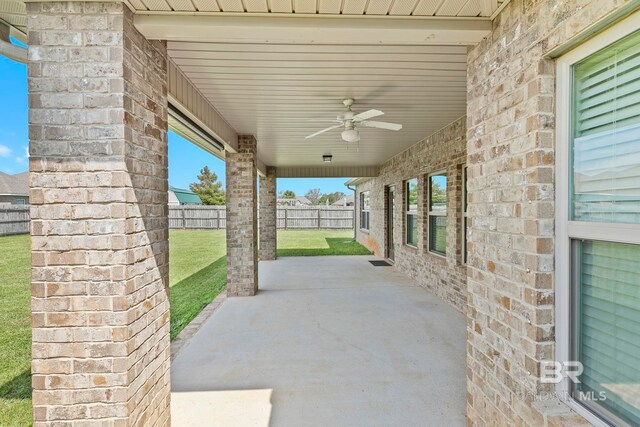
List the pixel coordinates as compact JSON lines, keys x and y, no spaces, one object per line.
{"x":262,"y":168}
{"x":313,"y":29}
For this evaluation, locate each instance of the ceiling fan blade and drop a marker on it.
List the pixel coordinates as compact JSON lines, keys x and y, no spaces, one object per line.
{"x":367,"y":115}
{"x":324,"y":120}
{"x":381,"y":125}
{"x":323,"y":131}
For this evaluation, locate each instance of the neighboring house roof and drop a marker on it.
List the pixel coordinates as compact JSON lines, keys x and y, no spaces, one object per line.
{"x":298,"y":201}
{"x":173,"y":199}
{"x":17,"y":184}
{"x":186,"y":197}
{"x":345,"y":201}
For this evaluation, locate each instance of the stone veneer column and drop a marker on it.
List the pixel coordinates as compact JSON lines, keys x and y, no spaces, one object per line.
{"x":99,"y":229}
{"x":268,"y":215}
{"x":242,"y":219}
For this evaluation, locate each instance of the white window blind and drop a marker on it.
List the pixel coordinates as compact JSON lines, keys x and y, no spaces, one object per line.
{"x":606,"y":134}
{"x":364,"y":210}
{"x":608,"y":319}
{"x":438,"y":213}
{"x":411,"y":209}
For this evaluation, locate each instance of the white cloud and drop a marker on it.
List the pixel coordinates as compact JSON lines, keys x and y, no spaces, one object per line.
{"x":23,"y":159}
{"x":4,"y":151}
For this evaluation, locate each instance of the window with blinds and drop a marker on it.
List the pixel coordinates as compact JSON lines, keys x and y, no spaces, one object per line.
{"x":606,"y":134}
{"x":411,"y":212}
{"x":608,"y":326}
{"x":364,"y":210}
{"x":465,"y":215}
{"x":604,"y":189}
{"x":438,"y":213}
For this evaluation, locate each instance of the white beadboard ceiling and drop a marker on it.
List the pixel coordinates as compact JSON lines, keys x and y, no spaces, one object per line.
{"x":14,"y":13}
{"x":461,"y":8}
{"x":278,"y":91}
{"x":276,"y":88}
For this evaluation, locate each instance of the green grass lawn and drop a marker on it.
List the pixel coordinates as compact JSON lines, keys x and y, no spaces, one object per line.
{"x":15,"y":331}
{"x":197,"y":273}
{"x":318,"y":242}
{"x":197,"y":269}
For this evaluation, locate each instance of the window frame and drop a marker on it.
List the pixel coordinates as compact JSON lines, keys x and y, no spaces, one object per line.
{"x":362,"y":209}
{"x":431,"y":213}
{"x":465,"y":215}
{"x":567,"y":230}
{"x":408,"y":212}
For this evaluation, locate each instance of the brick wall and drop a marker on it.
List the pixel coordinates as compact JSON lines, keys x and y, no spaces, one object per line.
{"x":511,"y":207}
{"x":444,"y":150}
{"x":268,"y":215}
{"x":242,"y":218}
{"x":98,"y":142}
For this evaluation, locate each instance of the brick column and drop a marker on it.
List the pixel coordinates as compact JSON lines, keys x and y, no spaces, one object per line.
{"x":242,"y":219}
{"x":268,"y":215}
{"x":99,"y":229}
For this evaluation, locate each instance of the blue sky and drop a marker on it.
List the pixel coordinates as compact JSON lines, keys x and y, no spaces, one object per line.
{"x":185,"y":159}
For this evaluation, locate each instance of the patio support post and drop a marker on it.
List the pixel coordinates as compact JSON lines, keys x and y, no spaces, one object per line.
{"x":99,"y":226}
{"x":242,"y":218}
{"x":268,"y":215}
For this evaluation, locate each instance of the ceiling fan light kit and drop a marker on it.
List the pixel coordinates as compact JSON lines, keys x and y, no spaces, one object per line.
{"x":351,"y":135}
{"x":349,"y":120}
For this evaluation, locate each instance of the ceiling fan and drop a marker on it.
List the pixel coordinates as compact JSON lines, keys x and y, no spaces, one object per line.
{"x":350,"y":121}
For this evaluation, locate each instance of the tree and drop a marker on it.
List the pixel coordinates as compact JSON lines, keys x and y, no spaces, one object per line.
{"x":287,"y":194}
{"x":331,"y":198}
{"x":439,"y":194}
{"x":313,"y":195}
{"x":209,"y":189}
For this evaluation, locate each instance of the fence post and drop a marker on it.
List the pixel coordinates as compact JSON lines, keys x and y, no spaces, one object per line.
{"x":286,"y":225}
{"x":217,"y":218}
{"x":318,"y":218}
{"x":184,"y":221}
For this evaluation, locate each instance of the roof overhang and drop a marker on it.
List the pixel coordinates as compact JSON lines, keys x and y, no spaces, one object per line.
{"x":326,"y":171}
{"x":357,"y":181}
{"x":312,"y":29}
{"x":249,"y":67}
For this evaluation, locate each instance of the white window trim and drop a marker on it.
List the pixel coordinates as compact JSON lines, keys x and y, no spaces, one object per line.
{"x":407,"y":212}
{"x":431,"y":213}
{"x":362,"y":209}
{"x":565,"y":230}
{"x":465,"y":216}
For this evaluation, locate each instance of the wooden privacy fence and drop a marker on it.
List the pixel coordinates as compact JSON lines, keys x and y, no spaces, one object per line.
{"x":314,"y":217}
{"x":191,"y":217}
{"x":14,"y":219}
{"x":197,"y":217}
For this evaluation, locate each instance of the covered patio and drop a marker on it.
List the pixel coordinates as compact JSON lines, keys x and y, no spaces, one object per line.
{"x":326,"y":341}
{"x":467,"y":190}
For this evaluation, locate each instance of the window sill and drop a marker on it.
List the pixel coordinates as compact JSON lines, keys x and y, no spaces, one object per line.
{"x":438,"y":254}
{"x":410,"y":246}
{"x":584,"y":412}
{"x":365,"y":230}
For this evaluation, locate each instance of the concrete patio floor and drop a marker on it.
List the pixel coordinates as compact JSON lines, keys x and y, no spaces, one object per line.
{"x":328,"y":341}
